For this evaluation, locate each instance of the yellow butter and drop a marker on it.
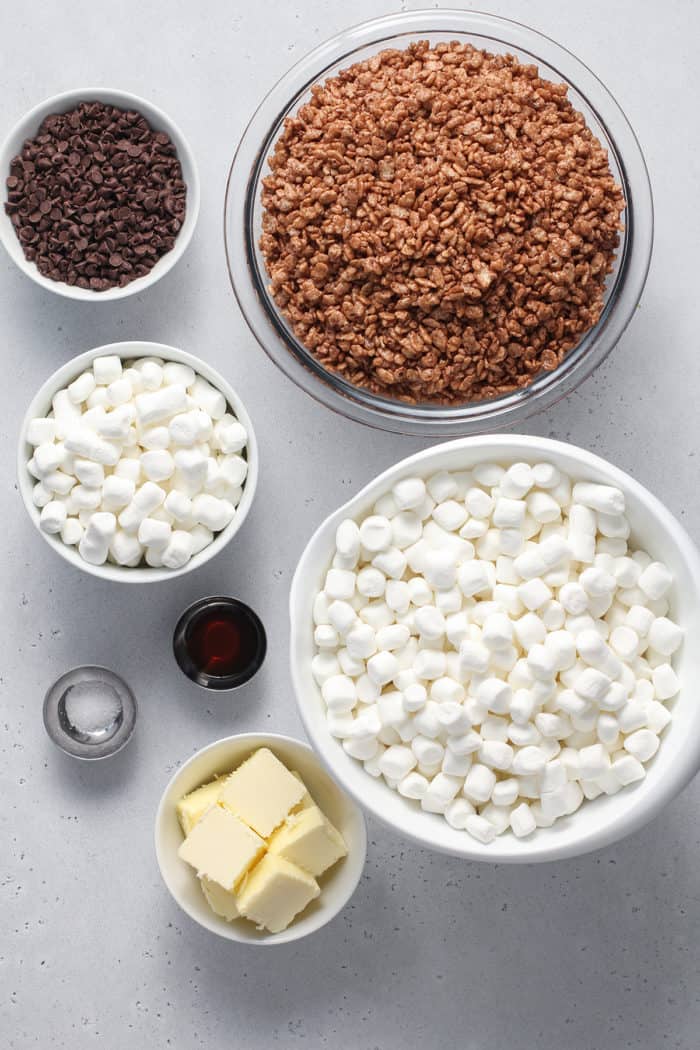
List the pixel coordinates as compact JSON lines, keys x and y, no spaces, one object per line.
{"x":221,"y":847}
{"x":274,"y":893}
{"x":308,"y":839}
{"x":192,"y":807}
{"x":221,"y":901}
{"x":261,"y":792}
{"x":306,"y":799}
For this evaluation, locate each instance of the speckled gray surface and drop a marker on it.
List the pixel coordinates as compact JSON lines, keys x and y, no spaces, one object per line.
{"x":595,"y":954}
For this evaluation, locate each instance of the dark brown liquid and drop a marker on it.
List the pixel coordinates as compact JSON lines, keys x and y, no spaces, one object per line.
{"x":221,"y":641}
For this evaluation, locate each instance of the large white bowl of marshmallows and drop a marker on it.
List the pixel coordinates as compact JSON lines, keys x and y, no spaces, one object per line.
{"x":493,"y":649}
{"x":137,"y":462}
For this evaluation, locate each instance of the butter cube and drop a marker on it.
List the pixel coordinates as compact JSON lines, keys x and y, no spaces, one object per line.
{"x":306,"y":799}
{"x":221,"y":901}
{"x":261,"y":792}
{"x":221,"y":847}
{"x":308,"y":839}
{"x":275,"y":892}
{"x":192,"y":807}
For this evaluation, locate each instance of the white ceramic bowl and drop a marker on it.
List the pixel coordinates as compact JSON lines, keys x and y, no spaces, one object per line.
{"x":337,"y":885}
{"x":41,"y":404}
{"x":596,"y":823}
{"x":28,"y":126}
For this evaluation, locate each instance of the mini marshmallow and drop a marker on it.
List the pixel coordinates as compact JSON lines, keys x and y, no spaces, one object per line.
{"x":146,"y":499}
{"x":534,"y":593}
{"x":665,"y":681}
{"x":179,"y":550}
{"x":496,"y":754}
{"x":117,"y":492}
{"x":173,"y":372}
{"x":207,"y":397}
{"x":58,"y":482}
{"x":230,"y":436}
{"x":480,"y":829}
{"x":642,"y":744}
{"x":409,"y":493}
{"x":94,"y":545}
{"x":81,"y":388}
{"x":82,"y":497}
{"x":528,"y":760}
{"x":497,"y":631}
{"x":160,"y":404}
{"x":339,"y":693}
{"x":119,"y":392}
{"x":72,"y":532}
{"x":655,"y":580}
{"x":214,"y":513}
{"x":107,"y":369}
{"x":508,"y":513}
{"x":593,"y":762}
{"x":189,"y":428}
{"x":603,"y":498}
{"x":179,"y":505}
{"x":382,"y":667}
{"x":53,"y":516}
{"x":89,"y":445}
{"x":347,"y":539}
{"x":151,"y":375}
{"x":522,"y":821}
{"x":479,"y":783}
{"x":155,"y":534}
{"x":47,"y":458}
{"x":414,"y":786}
{"x":41,"y":431}
{"x":406,"y":529}
{"x":125,"y":548}
{"x":371,"y":583}
{"x":665,"y":636}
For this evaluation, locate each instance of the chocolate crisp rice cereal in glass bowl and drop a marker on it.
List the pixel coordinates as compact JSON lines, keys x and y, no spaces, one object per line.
{"x":438,"y":222}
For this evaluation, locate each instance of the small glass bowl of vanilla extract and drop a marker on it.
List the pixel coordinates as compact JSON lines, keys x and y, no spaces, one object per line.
{"x":219,"y":643}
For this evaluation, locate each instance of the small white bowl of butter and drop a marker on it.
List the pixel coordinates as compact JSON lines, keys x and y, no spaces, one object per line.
{"x":267,"y":870}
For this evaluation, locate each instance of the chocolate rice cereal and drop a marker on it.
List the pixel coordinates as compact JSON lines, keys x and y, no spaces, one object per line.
{"x":438,"y":224}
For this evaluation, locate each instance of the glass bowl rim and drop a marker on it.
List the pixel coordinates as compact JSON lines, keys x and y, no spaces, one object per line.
{"x":354,"y":402}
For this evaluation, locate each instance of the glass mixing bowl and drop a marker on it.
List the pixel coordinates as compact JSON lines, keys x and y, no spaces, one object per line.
{"x":243,"y":221}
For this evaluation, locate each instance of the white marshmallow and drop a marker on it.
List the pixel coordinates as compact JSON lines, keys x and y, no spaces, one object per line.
{"x":125,"y":548}
{"x":179,"y":550}
{"x":53,"y":516}
{"x":41,"y":431}
{"x":480,"y":828}
{"x":603,"y":498}
{"x":94,"y":544}
{"x":174,"y":372}
{"x":160,"y":404}
{"x":213,"y":513}
{"x":208,"y":398}
{"x":117,"y":492}
{"x":409,"y":493}
{"x":145,"y":500}
{"x":81,"y":388}
{"x":107,"y":369}
{"x":655,"y":580}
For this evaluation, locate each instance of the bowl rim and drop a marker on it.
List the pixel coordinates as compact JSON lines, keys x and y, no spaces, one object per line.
{"x":288,"y":354}
{"x":41,"y":403}
{"x":229,"y":931}
{"x":523,"y":850}
{"x":62,"y":102}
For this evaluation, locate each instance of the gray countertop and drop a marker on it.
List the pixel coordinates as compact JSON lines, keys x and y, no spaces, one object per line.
{"x":592,"y":954}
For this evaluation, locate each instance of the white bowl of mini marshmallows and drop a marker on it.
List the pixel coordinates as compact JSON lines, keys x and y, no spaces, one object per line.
{"x":137,"y":462}
{"x":487,"y":649}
